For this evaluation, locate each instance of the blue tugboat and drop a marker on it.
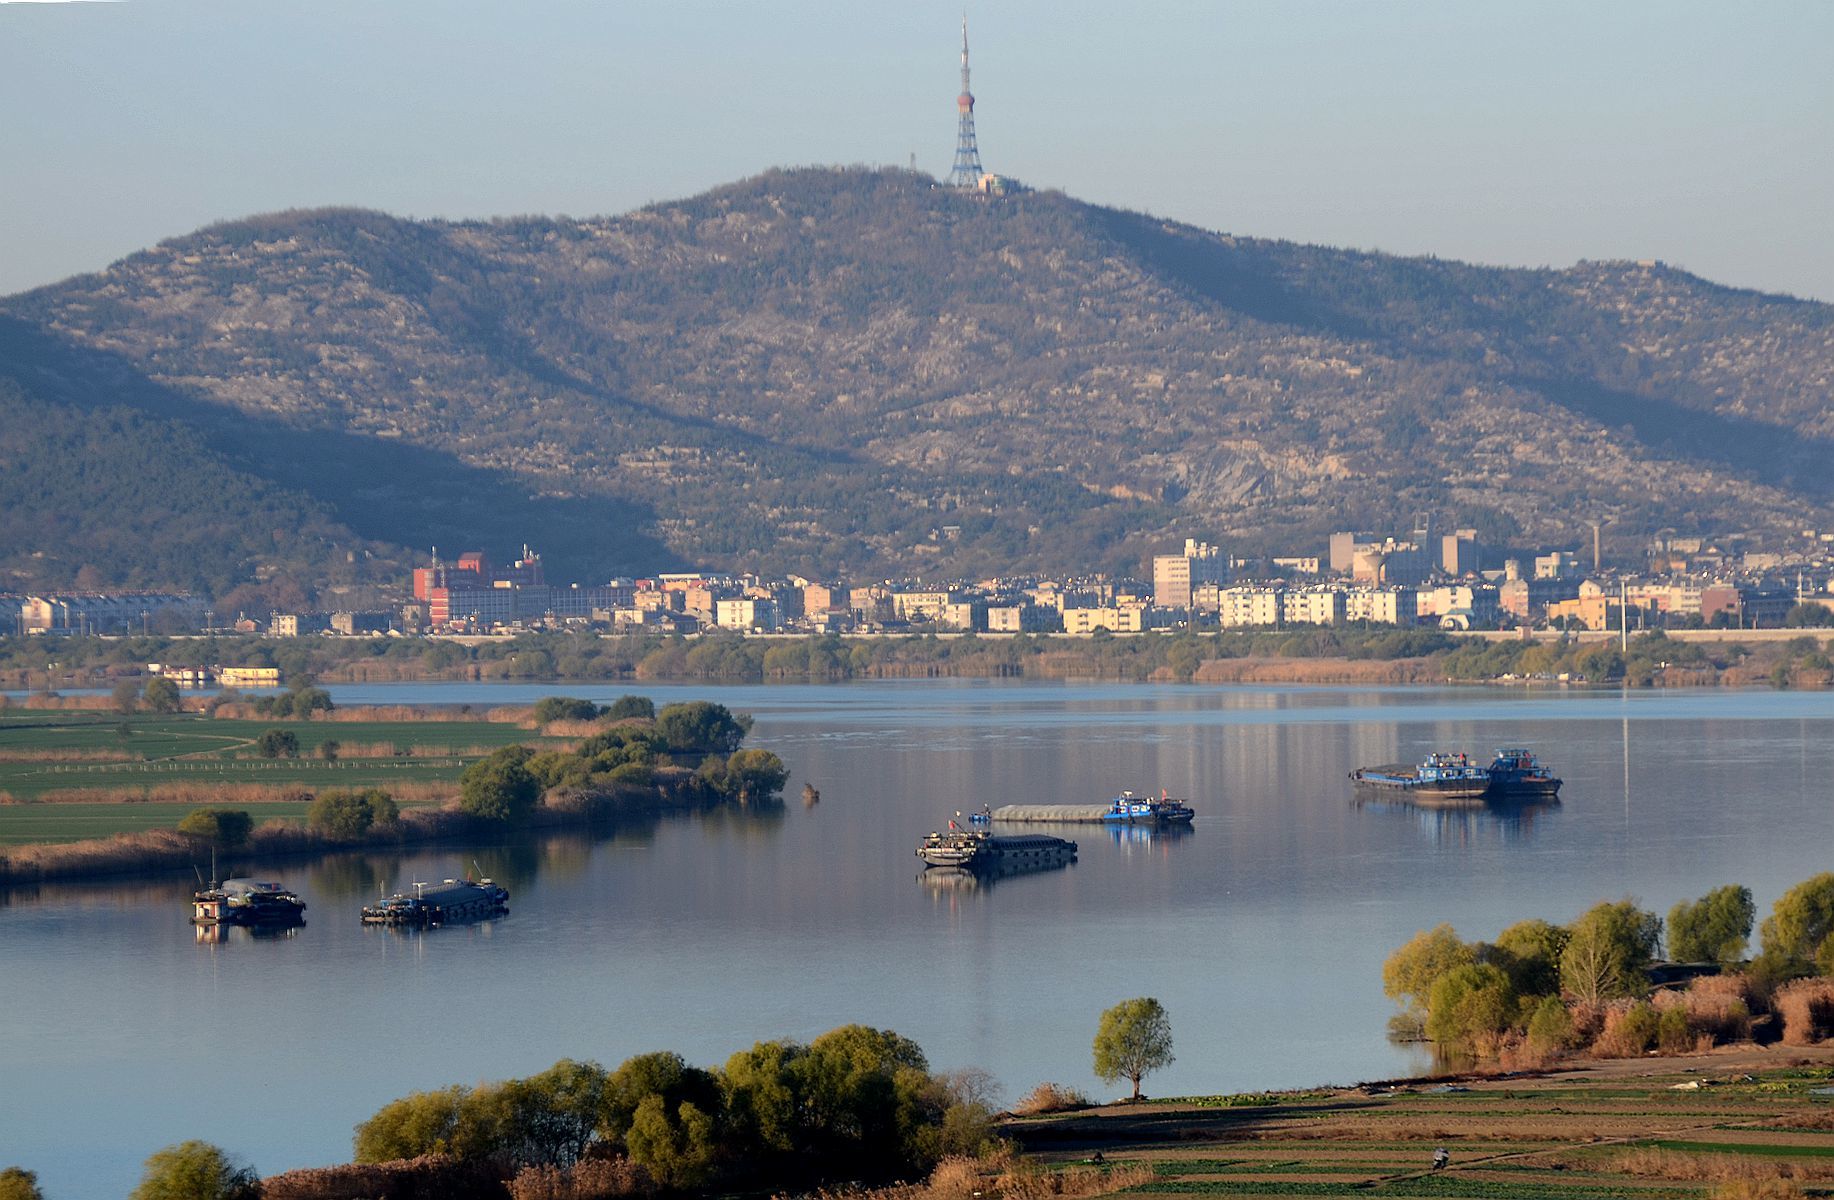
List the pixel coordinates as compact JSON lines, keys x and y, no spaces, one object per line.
{"x":1129,"y":809}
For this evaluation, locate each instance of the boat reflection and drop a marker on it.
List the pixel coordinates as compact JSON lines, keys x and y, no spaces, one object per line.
{"x":944,"y":880}
{"x":1507,"y":821}
{"x":1155,"y":835}
{"x":219,"y":935}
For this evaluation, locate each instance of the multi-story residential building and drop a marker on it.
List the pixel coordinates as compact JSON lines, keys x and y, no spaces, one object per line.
{"x":1022,"y":618}
{"x":964,"y":615}
{"x":1382,"y":606}
{"x":1459,"y":605}
{"x":748,"y":613}
{"x":1127,"y":618}
{"x":1249,"y":606}
{"x":921,"y":605}
{"x":1312,"y":606}
{"x":1175,"y":575}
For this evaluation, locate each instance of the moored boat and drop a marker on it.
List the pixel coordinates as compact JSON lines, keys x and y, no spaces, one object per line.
{"x":444,"y":903}
{"x":1439,"y":778}
{"x":250,"y":902}
{"x":978,"y":850}
{"x":1515,"y":774}
{"x":1124,"y":809}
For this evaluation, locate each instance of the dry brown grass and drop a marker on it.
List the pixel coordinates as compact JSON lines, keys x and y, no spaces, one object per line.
{"x":404,"y":1179}
{"x":1002,"y":1176}
{"x":1757,"y":1189}
{"x":1807,"y":1006}
{"x":1049,"y":1098}
{"x":52,"y":702}
{"x":1317,"y":670}
{"x":219,"y":795}
{"x":67,"y":755}
{"x":1718,"y":1168}
{"x":1718,"y":1008}
{"x":573,"y":729}
{"x":1629,"y":1030}
{"x":593,"y":1179}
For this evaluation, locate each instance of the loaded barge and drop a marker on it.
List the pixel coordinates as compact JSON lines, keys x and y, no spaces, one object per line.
{"x":1124,"y":809}
{"x":1453,"y":779}
{"x":253,"y":903}
{"x":453,"y":900}
{"x":978,"y":850}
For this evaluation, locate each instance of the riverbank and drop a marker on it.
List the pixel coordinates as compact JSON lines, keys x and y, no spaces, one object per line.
{"x":1740,"y":1116}
{"x":1300,"y":654}
{"x":281,"y":839}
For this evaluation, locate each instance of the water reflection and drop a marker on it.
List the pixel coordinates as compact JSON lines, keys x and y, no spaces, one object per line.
{"x":1511,"y":822}
{"x":223,"y":935}
{"x":947,"y":880}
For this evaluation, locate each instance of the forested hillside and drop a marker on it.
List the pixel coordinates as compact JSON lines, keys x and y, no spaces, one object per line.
{"x":854,"y":372}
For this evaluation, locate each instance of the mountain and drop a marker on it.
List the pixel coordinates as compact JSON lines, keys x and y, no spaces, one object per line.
{"x":854,"y":372}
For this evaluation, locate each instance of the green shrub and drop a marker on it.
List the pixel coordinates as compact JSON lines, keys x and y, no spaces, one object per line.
{"x":1550,"y":1029}
{"x":225,"y":828}
{"x":196,"y":1171}
{"x":1672,"y":1033}
{"x":277,"y":743}
{"x":500,"y":788}
{"x":17,"y":1183}
{"x":564,"y":708}
{"x":348,"y":815}
{"x":626,"y":707}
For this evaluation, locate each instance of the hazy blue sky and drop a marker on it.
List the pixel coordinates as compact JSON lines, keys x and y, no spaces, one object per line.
{"x":1698,"y":133}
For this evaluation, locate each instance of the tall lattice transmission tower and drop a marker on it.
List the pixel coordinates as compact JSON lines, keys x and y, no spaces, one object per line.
{"x":967,"y":171}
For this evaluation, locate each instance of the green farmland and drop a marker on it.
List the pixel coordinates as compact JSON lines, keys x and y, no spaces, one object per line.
{"x":1614,"y":1131}
{"x":71,"y":775}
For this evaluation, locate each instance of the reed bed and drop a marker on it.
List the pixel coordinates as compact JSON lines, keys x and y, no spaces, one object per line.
{"x":222,"y":795}
{"x":1720,"y":1168}
{"x":71,"y":754}
{"x":52,"y":702}
{"x":376,"y":750}
{"x":1807,"y":1006}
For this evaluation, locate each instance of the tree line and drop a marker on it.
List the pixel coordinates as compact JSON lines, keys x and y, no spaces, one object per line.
{"x":1540,"y":990}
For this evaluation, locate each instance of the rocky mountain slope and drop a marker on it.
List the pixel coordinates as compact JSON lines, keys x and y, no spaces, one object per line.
{"x":851,"y":371}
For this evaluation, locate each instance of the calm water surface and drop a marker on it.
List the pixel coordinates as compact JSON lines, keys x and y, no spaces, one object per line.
{"x":1262,"y":929}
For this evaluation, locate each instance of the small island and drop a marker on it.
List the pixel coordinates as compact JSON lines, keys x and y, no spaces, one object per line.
{"x":87,"y":792}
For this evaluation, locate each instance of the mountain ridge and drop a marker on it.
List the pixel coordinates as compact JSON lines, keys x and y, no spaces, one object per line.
{"x":852,"y":372}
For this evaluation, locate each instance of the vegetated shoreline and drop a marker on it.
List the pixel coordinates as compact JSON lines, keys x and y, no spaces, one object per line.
{"x":1320,"y":655}
{"x":168,"y":852}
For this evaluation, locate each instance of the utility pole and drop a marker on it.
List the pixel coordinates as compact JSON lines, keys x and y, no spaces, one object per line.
{"x":1623,"y":615}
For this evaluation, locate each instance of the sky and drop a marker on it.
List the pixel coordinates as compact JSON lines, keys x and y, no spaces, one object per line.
{"x":1701,"y":134}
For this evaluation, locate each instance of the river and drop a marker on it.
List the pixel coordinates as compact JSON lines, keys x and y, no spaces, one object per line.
{"x":1262,"y":929}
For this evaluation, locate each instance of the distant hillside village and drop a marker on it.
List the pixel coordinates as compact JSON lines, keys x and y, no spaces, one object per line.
{"x":1448,"y":581}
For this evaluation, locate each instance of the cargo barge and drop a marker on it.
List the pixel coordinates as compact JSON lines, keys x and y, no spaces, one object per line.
{"x":1124,"y":809}
{"x":445,"y":903}
{"x":253,"y":903}
{"x":978,"y":850}
{"x":1453,"y":779}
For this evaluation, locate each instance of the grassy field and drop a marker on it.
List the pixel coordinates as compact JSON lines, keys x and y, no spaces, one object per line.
{"x":66,"y":774}
{"x":1619,"y":1132}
